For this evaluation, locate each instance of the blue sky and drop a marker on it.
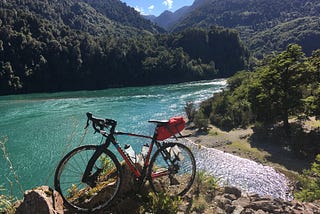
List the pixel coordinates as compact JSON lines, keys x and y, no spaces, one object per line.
{"x":156,"y":7}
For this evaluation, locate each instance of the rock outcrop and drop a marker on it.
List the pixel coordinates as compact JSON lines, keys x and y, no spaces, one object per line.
{"x":229,"y":200}
{"x":40,"y":200}
{"x":224,"y":200}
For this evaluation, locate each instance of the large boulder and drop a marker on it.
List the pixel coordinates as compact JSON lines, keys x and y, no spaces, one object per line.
{"x":41,"y":200}
{"x":230,"y":200}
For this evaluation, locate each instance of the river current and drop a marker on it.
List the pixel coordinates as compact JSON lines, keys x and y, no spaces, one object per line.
{"x":38,"y":129}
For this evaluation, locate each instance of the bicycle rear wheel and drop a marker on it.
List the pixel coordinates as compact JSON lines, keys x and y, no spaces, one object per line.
{"x":172,"y":169}
{"x":101,"y":187}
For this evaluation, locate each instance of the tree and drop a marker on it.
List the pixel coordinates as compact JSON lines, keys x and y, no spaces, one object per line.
{"x":8,"y":78}
{"x":310,"y":182}
{"x":276,"y":93}
{"x":312,"y":100}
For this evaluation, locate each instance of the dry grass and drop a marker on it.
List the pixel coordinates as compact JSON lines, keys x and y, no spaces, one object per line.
{"x":267,"y":149}
{"x":245,"y":148}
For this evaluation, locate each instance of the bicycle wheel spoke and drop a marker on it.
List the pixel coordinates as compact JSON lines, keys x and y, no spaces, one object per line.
{"x":75,"y":169}
{"x":84,"y":161}
{"x":172,"y":169}
{"x":99,"y":189}
{"x":79,"y":167}
{"x":71,"y":170}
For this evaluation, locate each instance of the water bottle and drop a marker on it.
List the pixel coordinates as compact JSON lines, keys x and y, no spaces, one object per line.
{"x":145,"y":149}
{"x":130,"y":152}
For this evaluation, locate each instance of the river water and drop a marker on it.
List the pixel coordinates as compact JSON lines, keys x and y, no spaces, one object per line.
{"x":38,"y":129}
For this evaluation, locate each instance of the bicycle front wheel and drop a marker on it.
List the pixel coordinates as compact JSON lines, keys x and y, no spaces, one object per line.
{"x":100,"y":187}
{"x":172,"y":169}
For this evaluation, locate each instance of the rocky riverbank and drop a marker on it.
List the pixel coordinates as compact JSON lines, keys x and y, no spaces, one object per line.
{"x":204,"y":197}
{"x":220,"y":201}
{"x":268,"y":147}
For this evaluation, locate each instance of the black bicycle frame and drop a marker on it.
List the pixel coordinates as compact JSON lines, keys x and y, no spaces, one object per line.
{"x":139,"y":174}
{"x":89,"y":178}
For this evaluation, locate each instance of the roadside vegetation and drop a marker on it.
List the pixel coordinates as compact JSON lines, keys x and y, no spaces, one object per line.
{"x":280,"y":101}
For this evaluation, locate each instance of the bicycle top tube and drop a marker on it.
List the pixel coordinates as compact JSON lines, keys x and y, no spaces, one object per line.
{"x":133,"y":135}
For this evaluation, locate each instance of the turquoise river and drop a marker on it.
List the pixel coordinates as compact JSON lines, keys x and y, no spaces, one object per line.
{"x":38,"y":129}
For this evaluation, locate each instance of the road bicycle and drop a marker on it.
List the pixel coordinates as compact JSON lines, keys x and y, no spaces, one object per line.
{"x":89,"y":177}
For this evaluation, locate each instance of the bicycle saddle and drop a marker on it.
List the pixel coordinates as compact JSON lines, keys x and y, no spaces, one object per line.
{"x":159,"y":122}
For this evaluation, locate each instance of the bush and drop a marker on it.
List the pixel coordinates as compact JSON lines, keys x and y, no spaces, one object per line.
{"x":190,"y":110}
{"x":204,"y":191}
{"x":200,"y":120}
{"x":160,"y":203}
{"x":6,"y":203}
{"x":310,"y":183}
{"x":205,"y":182}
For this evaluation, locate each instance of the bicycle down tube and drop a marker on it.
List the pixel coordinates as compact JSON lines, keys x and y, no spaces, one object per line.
{"x":132,"y":167}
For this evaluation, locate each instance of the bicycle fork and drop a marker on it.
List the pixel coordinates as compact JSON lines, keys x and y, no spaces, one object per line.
{"x":89,"y":177}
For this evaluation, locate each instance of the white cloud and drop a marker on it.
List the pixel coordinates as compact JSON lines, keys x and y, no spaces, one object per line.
{"x":168,"y":3}
{"x":151,"y":7}
{"x":140,"y":10}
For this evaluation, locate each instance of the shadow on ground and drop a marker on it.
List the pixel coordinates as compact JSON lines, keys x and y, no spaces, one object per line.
{"x":295,"y":153}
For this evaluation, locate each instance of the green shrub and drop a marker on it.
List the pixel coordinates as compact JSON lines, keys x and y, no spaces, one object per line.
{"x":205,"y":182}
{"x":201,"y":121}
{"x":6,"y":203}
{"x":160,"y":203}
{"x":199,"y":205}
{"x":190,"y":110}
{"x":310,"y":183}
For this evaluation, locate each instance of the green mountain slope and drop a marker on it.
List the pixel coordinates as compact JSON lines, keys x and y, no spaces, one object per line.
{"x":252,"y":17}
{"x":79,"y":15}
{"x":120,"y":12}
{"x":303,"y":31}
{"x":56,"y":45}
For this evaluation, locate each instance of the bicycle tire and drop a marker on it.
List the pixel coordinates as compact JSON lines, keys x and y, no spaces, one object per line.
{"x":175,"y":175}
{"x":82,"y":196}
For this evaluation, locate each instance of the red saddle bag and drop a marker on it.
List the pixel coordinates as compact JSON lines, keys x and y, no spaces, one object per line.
{"x":175,"y":125}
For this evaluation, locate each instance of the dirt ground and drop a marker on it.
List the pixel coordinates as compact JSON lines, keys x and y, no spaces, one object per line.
{"x":268,"y":149}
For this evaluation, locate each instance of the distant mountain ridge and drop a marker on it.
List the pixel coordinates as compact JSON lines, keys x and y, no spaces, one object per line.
{"x":256,"y":13}
{"x":252,"y":18}
{"x":167,"y":19}
{"x":120,"y":12}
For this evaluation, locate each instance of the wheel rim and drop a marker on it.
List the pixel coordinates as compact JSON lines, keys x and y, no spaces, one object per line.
{"x":175,"y":176}
{"x":104,"y":183}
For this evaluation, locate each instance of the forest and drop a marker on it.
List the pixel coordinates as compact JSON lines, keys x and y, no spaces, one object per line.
{"x":276,"y":99}
{"x":264,"y":26}
{"x":58,"y":46}
{"x":283,"y":87}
